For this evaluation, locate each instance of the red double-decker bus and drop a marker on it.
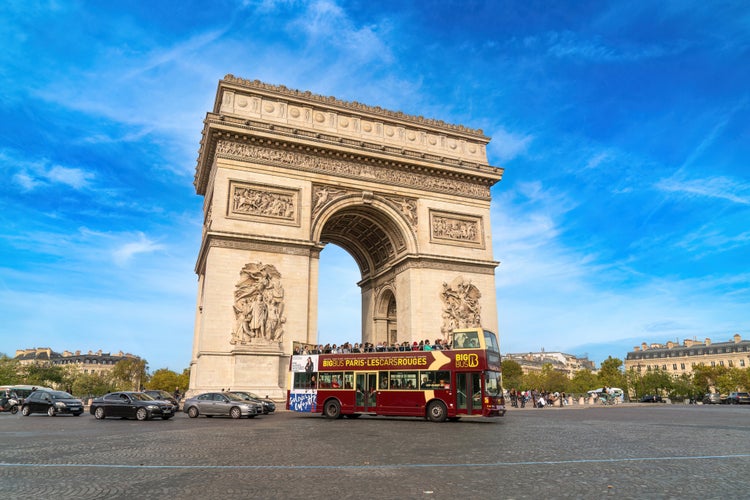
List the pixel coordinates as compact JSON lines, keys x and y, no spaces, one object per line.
{"x":463,"y":379}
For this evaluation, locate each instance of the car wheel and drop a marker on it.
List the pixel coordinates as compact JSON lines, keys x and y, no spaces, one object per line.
{"x":25,"y":411}
{"x":99,"y":413}
{"x":332,"y":409}
{"x":14,"y":409}
{"x":235,"y":412}
{"x":51,"y":411}
{"x":192,"y":412}
{"x":141,"y":414}
{"x":436,"y":411}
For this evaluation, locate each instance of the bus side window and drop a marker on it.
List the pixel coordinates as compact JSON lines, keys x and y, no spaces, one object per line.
{"x":384,"y":381}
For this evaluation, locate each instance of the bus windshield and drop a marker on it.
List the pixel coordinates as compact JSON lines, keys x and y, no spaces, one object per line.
{"x":493,"y":385}
{"x":491,"y":342}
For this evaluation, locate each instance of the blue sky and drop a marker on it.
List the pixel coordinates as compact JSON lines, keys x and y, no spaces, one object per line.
{"x":623,"y":127}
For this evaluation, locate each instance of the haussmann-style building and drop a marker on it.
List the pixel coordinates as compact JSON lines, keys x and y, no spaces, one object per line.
{"x":677,"y":359}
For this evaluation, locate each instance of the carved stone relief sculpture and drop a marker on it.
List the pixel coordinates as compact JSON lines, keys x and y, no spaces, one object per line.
{"x":456,"y":229}
{"x":461,"y":307}
{"x":322,"y":195}
{"x":407,"y":207}
{"x":250,"y":200}
{"x":258,"y":305}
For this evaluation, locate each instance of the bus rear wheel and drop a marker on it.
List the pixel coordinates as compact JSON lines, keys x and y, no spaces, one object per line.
{"x":436,"y":411}
{"x":332,"y":409}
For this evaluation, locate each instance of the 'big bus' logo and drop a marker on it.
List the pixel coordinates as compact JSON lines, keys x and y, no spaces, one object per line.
{"x":467,"y":360}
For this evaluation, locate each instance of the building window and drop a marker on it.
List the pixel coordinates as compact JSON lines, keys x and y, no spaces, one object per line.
{"x":730,"y":363}
{"x":682,"y":366}
{"x":742,"y":362}
{"x":664,"y":367}
{"x":713,"y":363}
{"x":674,"y":366}
{"x":721,"y":363}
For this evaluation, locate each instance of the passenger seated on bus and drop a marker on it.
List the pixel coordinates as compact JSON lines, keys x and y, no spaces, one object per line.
{"x":459,"y":340}
{"x":474,"y":343}
{"x":409,"y":385}
{"x":425,"y":383}
{"x":336,"y":384}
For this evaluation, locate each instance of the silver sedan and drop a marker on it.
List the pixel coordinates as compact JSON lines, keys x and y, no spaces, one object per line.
{"x":221,"y":404}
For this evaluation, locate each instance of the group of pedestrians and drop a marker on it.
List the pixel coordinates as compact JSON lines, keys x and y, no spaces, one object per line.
{"x":356,"y":348}
{"x":537,"y":399}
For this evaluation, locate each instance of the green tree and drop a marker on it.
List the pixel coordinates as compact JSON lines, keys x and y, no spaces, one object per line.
{"x":87,"y":385}
{"x":43,"y":374}
{"x":164,"y":379}
{"x":9,"y":370}
{"x":582,"y":382}
{"x":553,"y":380}
{"x":130,"y":374}
{"x":657,"y":382}
{"x":706,"y":377}
{"x":611,"y":374}
{"x":684,"y":388}
{"x":730,"y":379}
{"x":512,"y":374}
{"x":184,"y":380}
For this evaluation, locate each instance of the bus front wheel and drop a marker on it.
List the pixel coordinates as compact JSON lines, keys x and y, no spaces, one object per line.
{"x":436,"y":411}
{"x":332,"y":409}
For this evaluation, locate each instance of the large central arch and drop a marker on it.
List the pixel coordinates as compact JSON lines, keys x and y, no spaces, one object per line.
{"x":283,"y":173}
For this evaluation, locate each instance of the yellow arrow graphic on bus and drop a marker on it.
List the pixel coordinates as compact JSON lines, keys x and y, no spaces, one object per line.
{"x":440,"y":360}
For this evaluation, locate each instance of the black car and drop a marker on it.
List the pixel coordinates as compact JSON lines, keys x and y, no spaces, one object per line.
{"x":268,"y":405}
{"x":52,"y":403}
{"x":651,"y":398}
{"x":130,"y":405}
{"x":738,"y":398}
{"x":163,"y":396}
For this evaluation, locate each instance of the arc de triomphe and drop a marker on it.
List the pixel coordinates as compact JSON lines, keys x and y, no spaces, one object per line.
{"x":283,"y":173}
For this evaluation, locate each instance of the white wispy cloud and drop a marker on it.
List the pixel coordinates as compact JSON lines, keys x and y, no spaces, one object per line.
{"x":328,"y":23}
{"x":34,"y":173}
{"x":507,"y":145}
{"x":722,"y":187}
{"x":141,"y":245}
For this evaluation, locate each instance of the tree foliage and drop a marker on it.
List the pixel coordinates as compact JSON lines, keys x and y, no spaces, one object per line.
{"x":130,"y":374}
{"x":512,"y":374}
{"x":9,"y":370}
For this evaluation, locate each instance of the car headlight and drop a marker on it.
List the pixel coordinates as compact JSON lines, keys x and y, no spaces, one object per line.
{"x":59,"y":404}
{"x":151,"y":407}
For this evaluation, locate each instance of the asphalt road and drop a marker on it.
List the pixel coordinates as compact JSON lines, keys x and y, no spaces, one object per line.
{"x":638,"y":451}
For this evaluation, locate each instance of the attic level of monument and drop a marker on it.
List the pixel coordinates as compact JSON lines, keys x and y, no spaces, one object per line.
{"x":264,"y":118}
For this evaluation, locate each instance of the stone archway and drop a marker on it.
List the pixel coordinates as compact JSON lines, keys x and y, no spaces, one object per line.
{"x":283,"y":173}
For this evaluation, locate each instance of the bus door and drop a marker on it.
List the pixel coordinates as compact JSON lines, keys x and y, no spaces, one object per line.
{"x":366,"y":384}
{"x":469,"y":393}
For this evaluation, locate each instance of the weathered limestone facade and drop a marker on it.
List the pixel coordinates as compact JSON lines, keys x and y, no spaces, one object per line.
{"x":283,"y":173}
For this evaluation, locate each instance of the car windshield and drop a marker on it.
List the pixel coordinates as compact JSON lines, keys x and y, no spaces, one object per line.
{"x":60,"y":395}
{"x":233,"y":397}
{"x":141,"y":396}
{"x":253,"y":395}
